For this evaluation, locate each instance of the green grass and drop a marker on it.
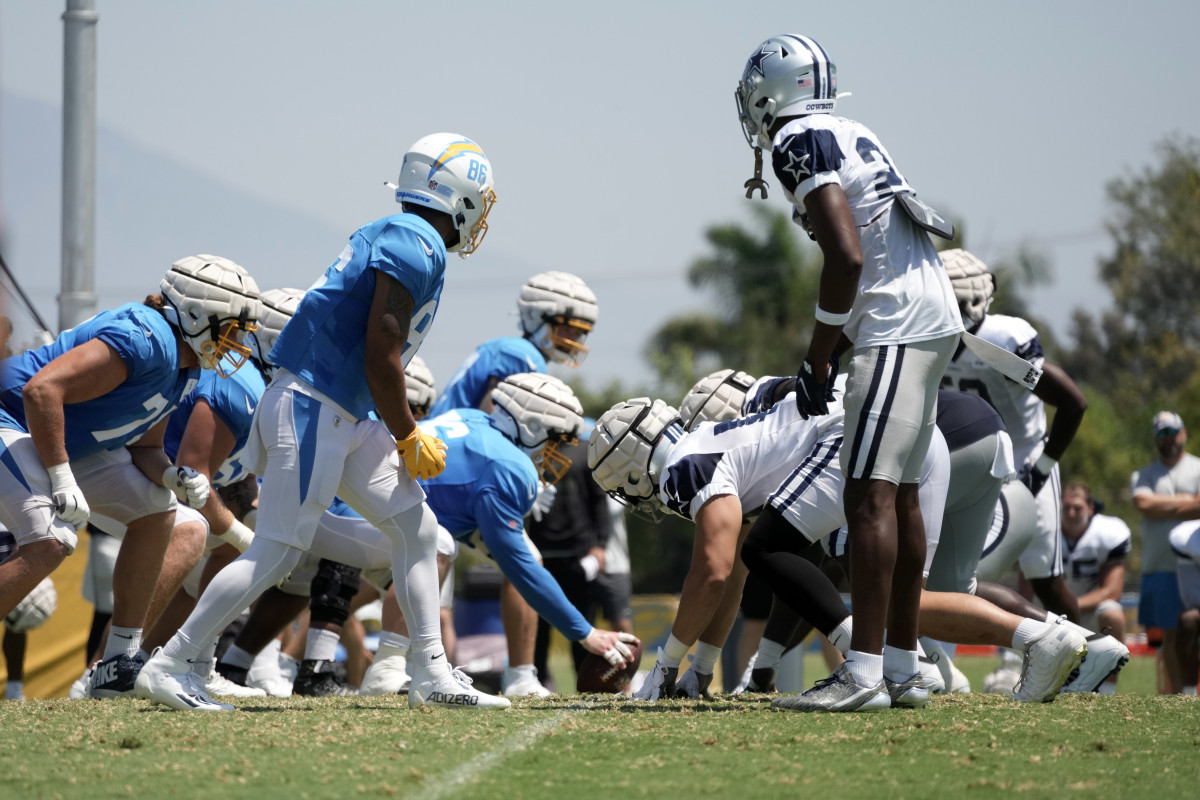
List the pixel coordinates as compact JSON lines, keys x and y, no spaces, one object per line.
{"x":976,"y":746}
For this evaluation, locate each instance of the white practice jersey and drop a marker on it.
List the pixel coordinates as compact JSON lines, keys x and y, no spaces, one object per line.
{"x":1024,"y":414}
{"x":1106,"y":539}
{"x":904,"y":294}
{"x":748,"y":457}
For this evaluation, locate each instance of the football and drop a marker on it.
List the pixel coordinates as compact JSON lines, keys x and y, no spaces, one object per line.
{"x":598,"y":676}
{"x":35,"y":609}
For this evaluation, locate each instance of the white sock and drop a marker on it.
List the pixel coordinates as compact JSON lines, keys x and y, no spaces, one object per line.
{"x":14,"y":690}
{"x":1190,"y":691}
{"x":122,"y":642}
{"x":839,"y":637}
{"x":867,"y":668}
{"x":899,"y":665}
{"x":706,"y":658}
{"x":321,"y":645}
{"x":1026,"y":631}
{"x":394,"y":641}
{"x":237,"y":657}
{"x":769,"y":654}
{"x":266,"y":663}
{"x":673,"y":652}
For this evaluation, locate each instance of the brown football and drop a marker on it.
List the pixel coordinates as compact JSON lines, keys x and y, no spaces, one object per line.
{"x":598,"y":676}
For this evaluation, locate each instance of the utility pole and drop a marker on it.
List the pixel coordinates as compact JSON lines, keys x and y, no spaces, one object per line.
{"x":77,"y":297}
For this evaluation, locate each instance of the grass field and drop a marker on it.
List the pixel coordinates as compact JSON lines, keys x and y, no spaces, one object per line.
{"x":975,"y":746}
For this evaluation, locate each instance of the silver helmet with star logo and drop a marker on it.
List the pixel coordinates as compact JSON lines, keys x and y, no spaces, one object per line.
{"x":787,"y":75}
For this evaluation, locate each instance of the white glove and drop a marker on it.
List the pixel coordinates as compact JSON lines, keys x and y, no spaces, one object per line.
{"x":69,"y":503}
{"x":660,"y":683}
{"x":543,"y":501}
{"x":693,"y":684}
{"x":238,"y":535}
{"x":188,"y":485}
{"x":591,"y":567}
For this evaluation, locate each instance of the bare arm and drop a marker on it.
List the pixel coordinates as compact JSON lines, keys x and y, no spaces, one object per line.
{"x":387,"y":334}
{"x":833,"y":226}
{"x":714,"y":552}
{"x":1057,"y":389}
{"x":1112,"y":579}
{"x":85,"y":372}
{"x":1167,"y":506}
{"x":147,"y":452}
{"x":207,"y":442}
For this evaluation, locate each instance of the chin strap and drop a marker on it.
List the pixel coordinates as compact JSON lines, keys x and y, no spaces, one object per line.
{"x":757,"y":181}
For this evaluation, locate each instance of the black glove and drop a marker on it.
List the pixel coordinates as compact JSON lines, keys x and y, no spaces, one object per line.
{"x":811,"y":396}
{"x":1032,"y":479}
{"x":834,"y":364}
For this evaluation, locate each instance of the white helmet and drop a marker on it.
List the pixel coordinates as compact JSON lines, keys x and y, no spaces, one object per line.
{"x":788,"y":75}
{"x":278,"y":306}
{"x":627,"y":451}
{"x":715,"y":398}
{"x":212,"y":302}
{"x":973,"y":284}
{"x":422,"y":391}
{"x":548,"y":302}
{"x":539,"y":412}
{"x":449,"y":173}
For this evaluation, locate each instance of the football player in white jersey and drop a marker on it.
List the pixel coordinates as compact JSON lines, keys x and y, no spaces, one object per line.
{"x":340,"y":358}
{"x":883,"y":287}
{"x":1024,"y":415}
{"x":82,"y":421}
{"x":1094,"y":550}
{"x":1184,"y":539}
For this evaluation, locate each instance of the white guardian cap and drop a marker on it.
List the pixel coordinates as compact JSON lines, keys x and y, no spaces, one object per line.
{"x":715,"y":398}
{"x":539,"y":413}
{"x":788,"y":75}
{"x":450,"y":173}
{"x":213,"y":303}
{"x":558,"y":311}
{"x":278,"y":306}
{"x":420,"y":386}
{"x":973,"y":284}
{"x":627,"y":451}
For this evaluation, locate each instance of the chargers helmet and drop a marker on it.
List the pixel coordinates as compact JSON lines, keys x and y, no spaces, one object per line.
{"x":450,"y":173}
{"x":973,"y":284}
{"x":788,"y":75}
{"x":539,"y":413}
{"x":420,"y":386}
{"x":213,"y":303}
{"x":548,"y":302}
{"x":278,"y":306}
{"x":627,"y":451}
{"x":715,"y":398}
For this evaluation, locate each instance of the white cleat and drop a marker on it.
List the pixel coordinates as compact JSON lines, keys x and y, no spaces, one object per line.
{"x":446,"y":688}
{"x":520,"y":682}
{"x":79,"y":688}
{"x":388,"y":674}
{"x":959,"y":683}
{"x":272,"y":686}
{"x":217,"y":684}
{"x":170,"y":681}
{"x":1049,"y":660}
{"x":1105,"y":656}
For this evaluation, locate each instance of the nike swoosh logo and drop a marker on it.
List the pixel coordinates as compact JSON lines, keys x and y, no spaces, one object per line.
{"x":428,"y":249}
{"x":147,"y":331}
{"x":249,"y":408}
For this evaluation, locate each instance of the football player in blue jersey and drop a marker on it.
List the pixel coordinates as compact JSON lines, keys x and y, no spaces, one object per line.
{"x":884,"y":289}
{"x":340,"y":358}
{"x":557,"y":312}
{"x":82,"y":422}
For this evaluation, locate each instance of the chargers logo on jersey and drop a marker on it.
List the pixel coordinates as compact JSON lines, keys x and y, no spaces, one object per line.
{"x":461,"y":149}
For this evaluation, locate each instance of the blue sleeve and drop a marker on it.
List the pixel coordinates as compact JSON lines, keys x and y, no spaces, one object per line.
{"x":500,"y":527}
{"x":138,"y":347}
{"x":802,"y":155}
{"x":400,"y":252}
{"x":231,"y":404}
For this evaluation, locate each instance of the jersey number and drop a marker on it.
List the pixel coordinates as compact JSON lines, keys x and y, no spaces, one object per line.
{"x":449,"y":426}
{"x":972,"y":385}
{"x":155,"y":405}
{"x":871,"y":154}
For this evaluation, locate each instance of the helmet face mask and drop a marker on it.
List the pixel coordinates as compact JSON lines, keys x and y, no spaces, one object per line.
{"x":557,"y":313}
{"x":627,"y":450}
{"x":973,"y":284}
{"x":788,"y":75}
{"x":449,"y":173}
{"x":715,"y":398}
{"x":539,"y":413}
{"x":213,"y":303}
{"x":278,"y":306}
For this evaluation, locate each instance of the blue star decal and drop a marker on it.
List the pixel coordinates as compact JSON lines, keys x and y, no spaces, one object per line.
{"x":756,"y":60}
{"x":797,"y":165}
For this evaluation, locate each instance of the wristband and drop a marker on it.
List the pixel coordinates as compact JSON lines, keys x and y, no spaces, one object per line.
{"x":61,"y":476}
{"x":1044,"y":464}
{"x":238,"y":535}
{"x":830,"y":318}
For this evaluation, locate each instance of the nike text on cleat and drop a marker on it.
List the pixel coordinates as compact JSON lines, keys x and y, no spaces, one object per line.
{"x":911,"y":693}
{"x":1105,"y":656}
{"x":839,"y":692}
{"x":113,"y":677}
{"x":438,"y":685}
{"x":1049,"y":660}
{"x":170,"y":681}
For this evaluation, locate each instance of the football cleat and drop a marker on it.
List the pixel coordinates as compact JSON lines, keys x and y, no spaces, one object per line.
{"x":1049,"y":660}
{"x":519,"y":682}
{"x":319,"y":678}
{"x":755,"y":679}
{"x":388,"y":674}
{"x":217,"y":684}
{"x":232,"y":674}
{"x":1105,"y":656}
{"x":660,"y":683}
{"x":171,"y":682}
{"x":959,"y":683}
{"x":694,"y":685}
{"x":839,"y":692}
{"x":1001,"y":680}
{"x":441,"y":686}
{"x":113,"y":677}
{"x":79,"y":689}
{"x":931,"y":672}
{"x":911,"y":693}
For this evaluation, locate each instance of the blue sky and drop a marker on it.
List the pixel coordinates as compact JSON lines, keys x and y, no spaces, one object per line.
{"x":612,"y":132}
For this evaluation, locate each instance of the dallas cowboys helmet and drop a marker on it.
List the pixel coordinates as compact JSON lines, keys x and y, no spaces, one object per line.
{"x":973,"y":284}
{"x":788,"y":75}
{"x":212,"y":302}
{"x":278,"y":306}
{"x":420,"y":386}
{"x":538,"y":413}
{"x":627,"y":451}
{"x":551,"y":300}
{"x":715,"y":398}
{"x":450,"y":173}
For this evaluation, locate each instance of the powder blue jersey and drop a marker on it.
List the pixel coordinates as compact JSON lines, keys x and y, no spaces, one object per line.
{"x":155,"y":386}
{"x":323,"y":344}
{"x":233,"y":401}
{"x":497,"y":359}
{"x":489,"y":484}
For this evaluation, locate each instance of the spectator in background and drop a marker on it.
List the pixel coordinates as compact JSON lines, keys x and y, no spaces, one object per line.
{"x":1094,"y":551}
{"x":613,"y":588}
{"x":1164,"y":493}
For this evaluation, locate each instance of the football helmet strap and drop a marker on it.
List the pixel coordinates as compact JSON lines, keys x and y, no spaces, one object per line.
{"x":420,"y":386}
{"x":973,"y":284}
{"x":450,"y":173}
{"x":715,"y":398}
{"x":278,"y":306}
{"x":213,"y":303}
{"x":552,"y":299}
{"x":787,"y":75}
{"x":628,"y":448}
{"x":539,"y":413}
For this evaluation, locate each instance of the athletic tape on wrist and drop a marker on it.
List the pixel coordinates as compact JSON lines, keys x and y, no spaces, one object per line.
{"x":830,"y":318}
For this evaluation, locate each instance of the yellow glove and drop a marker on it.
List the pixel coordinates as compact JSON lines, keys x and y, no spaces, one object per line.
{"x":424,"y":456}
